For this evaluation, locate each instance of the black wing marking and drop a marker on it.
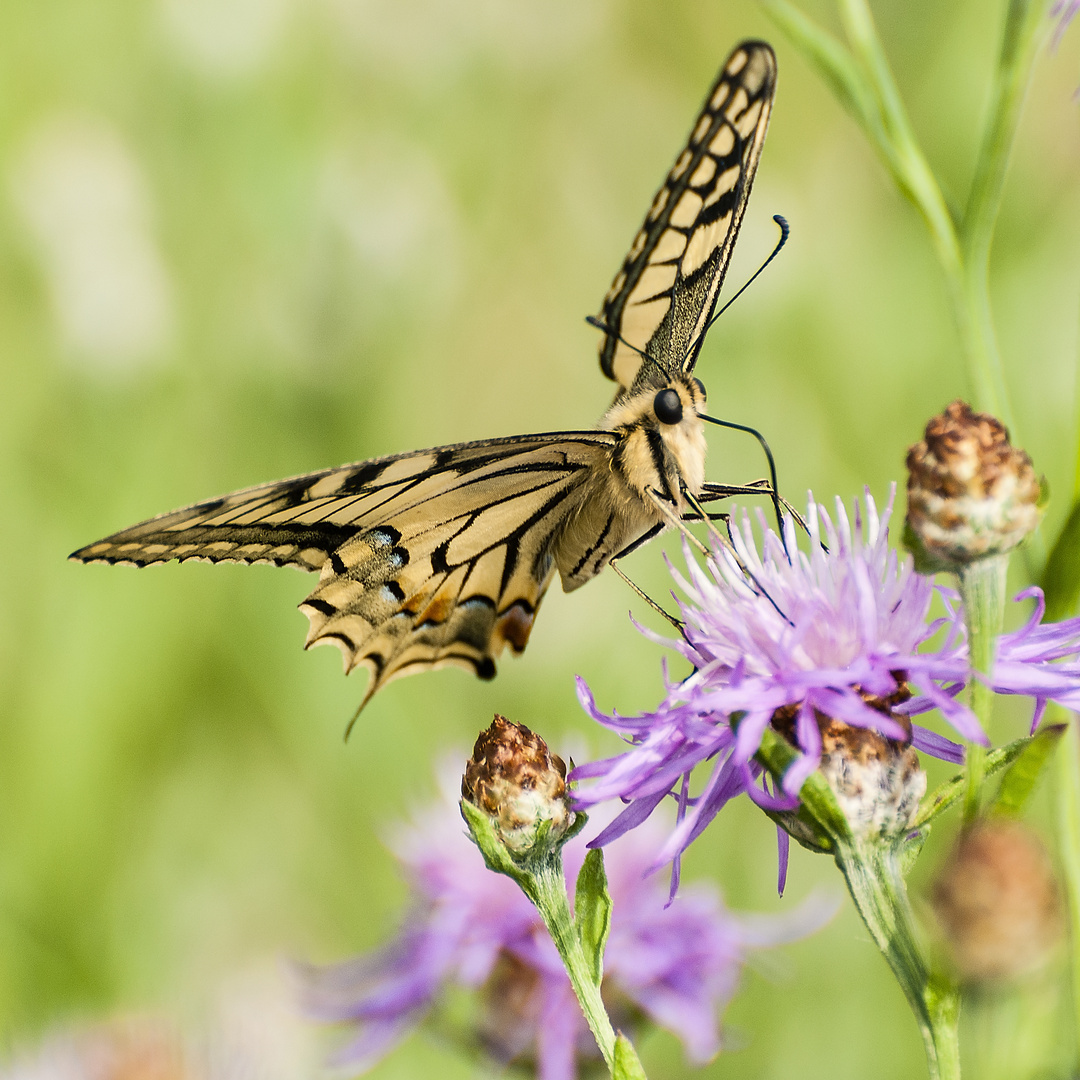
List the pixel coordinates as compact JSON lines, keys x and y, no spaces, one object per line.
{"x":661,"y":299}
{"x":436,"y":557}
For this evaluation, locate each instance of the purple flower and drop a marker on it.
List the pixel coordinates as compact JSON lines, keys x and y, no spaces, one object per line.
{"x":839,"y":632}
{"x":1065,"y":11}
{"x":676,"y":966}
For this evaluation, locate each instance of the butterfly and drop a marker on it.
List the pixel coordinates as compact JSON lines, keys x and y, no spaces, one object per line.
{"x":442,"y":556}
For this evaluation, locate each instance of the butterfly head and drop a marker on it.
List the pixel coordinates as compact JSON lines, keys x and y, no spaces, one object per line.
{"x":673,"y":402}
{"x":660,"y":422}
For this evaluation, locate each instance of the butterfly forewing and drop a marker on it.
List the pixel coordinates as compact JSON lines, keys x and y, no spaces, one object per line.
{"x":430,"y":558}
{"x":661,"y":299}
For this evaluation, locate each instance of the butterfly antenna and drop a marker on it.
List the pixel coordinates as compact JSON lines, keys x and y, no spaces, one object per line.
{"x":592,"y":320}
{"x":785,"y":232}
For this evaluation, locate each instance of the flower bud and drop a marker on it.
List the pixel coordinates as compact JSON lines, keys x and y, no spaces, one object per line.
{"x":998,"y":902}
{"x":878,"y":782}
{"x":519,"y":784}
{"x":971,"y":494}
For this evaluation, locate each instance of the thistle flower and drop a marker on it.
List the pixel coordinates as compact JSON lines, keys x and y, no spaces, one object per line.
{"x":676,"y":967}
{"x":836,"y":635}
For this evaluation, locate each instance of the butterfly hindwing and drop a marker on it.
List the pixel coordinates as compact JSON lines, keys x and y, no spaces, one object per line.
{"x":435,"y":557}
{"x":661,"y":299}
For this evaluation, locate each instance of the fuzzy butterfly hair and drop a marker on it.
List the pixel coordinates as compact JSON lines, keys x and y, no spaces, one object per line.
{"x":442,"y":556}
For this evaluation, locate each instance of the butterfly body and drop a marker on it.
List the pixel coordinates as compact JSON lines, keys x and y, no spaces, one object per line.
{"x":442,"y":556}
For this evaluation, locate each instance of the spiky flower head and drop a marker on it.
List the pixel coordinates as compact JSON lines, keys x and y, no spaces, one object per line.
{"x":971,"y":494}
{"x":820,"y":645}
{"x":520,"y":785}
{"x":878,"y":782}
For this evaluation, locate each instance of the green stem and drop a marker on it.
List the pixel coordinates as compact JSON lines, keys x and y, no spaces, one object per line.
{"x":963,"y":248}
{"x":982,"y":587}
{"x":547,"y":890}
{"x":898,"y":145}
{"x":539,"y":875}
{"x":1019,"y":45}
{"x":874,"y":879}
{"x":1069,"y":824}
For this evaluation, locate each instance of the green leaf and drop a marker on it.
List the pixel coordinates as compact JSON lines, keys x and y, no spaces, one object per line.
{"x":627,"y":1065}
{"x":1061,"y":578}
{"x":490,"y":844}
{"x":818,"y":799}
{"x":1022,"y":775}
{"x":952,"y":790}
{"x":580,"y":821}
{"x":592,"y":912}
{"x":909,"y":847}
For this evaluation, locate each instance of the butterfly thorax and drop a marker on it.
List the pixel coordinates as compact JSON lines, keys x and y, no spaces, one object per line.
{"x":649,"y":466}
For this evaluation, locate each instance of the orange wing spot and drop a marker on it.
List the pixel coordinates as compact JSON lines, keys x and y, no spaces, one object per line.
{"x":438,"y":611}
{"x":514,"y":626}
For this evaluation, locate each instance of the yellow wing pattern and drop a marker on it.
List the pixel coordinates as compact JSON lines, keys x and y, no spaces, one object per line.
{"x":662,"y":297}
{"x":430,"y":558}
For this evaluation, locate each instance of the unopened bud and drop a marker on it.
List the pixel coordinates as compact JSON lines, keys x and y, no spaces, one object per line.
{"x":520,"y":785}
{"x":998,"y":902}
{"x":971,"y":494}
{"x":878,"y":782}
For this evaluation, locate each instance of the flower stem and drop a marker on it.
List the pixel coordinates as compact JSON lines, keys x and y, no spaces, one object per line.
{"x":1069,"y":824}
{"x":874,"y":879}
{"x":539,"y":875}
{"x":962,"y":247}
{"x":894,"y":137}
{"x":547,"y":890}
{"x":1019,"y":45}
{"x":982,"y":587}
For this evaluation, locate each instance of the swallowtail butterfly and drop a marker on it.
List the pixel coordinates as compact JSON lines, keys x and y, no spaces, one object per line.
{"x":442,"y":556}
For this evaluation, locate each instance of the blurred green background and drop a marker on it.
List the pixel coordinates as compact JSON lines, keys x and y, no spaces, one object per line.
{"x":243,"y":239}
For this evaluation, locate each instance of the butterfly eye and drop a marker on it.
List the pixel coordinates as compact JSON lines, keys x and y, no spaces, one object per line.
{"x":668,"y":407}
{"x":701,"y":389}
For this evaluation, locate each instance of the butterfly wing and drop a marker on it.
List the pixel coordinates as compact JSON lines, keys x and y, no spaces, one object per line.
{"x":663,"y":296}
{"x":430,"y":558}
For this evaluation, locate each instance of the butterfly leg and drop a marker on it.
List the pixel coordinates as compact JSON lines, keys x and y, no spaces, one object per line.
{"x":642,"y":594}
{"x":728,"y":543}
{"x":715,"y":492}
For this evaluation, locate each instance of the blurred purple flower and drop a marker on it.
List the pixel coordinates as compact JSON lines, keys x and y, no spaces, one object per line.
{"x":675,"y":966}
{"x":1064,"y":11}
{"x":838,"y":632}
